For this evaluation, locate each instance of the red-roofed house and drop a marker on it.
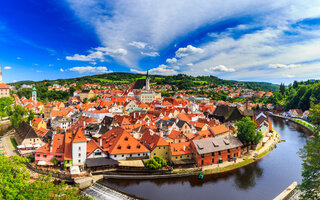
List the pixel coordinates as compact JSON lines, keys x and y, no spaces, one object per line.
{"x":156,"y":144}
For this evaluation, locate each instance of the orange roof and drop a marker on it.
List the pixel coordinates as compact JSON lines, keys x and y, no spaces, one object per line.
{"x":174,"y":134}
{"x":68,"y":146}
{"x":152,"y":141}
{"x":219,"y":129}
{"x":119,"y":141}
{"x":181,"y":148}
{"x":79,"y":137}
{"x":44,"y":149}
{"x":203,"y":134}
{"x":92,"y":145}
{"x":36,"y":120}
{"x":41,"y":131}
{"x":4,"y":86}
{"x":57,"y":143}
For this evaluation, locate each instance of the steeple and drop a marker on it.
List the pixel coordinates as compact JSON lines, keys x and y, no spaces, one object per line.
{"x":147,"y":81}
{"x":34,"y":93}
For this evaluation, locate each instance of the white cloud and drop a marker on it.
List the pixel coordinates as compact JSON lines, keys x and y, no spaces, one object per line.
{"x":7,"y":67}
{"x":38,"y":71}
{"x":98,"y":53}
{"x":51,"y":65}
{"x":14,"y":81}
{"x":151,"y":54}
{"x":90,"y":69}
{"x":61,"y":70}
{"x":189,"y":50}
{"x":275,"y":66}
{"x":18,"y":58}
{"x":162,"y":23}
{"x":139,"y":45}
{"x":190,"y":64}
{"x":290,"y":76}
{"x":172,"y":60}
{"x":220,"y":68}
{"x":160,"y":70}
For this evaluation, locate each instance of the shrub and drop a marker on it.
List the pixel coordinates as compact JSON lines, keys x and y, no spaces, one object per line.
{"x":155,"y":163}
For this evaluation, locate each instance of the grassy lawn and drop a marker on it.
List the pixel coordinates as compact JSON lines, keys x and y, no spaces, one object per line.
{"x":111,"y":81}
{"x":201,"y":82}
{"x":13,"y":142}
{"x":303,"y":123}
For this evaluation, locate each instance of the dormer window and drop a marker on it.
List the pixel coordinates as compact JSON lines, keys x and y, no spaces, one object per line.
{"x":128,"y":147}
{"x":119,"y":147}
{"x":138,"y":146}
{"x":126,"y":138}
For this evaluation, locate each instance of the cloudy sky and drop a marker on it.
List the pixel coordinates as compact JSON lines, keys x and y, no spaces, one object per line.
{"x":272,"y":40}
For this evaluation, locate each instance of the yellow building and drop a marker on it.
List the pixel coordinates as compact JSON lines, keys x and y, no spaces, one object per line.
{"x":86,"y":94}
{"x":180,"y":151}
{"x":38,"y":123}
{"x":156,"y":144}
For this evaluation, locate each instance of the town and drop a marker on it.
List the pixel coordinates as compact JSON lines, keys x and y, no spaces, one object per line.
{"x":100,"y":128}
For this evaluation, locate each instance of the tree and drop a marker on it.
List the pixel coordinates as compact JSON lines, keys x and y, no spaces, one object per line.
{"x":16,"y":183}
{"x":310,"y":155}
{"x":247,"y":132}
{"x":155,"y":163}
{"x":31,"y":116}
{"x":17,"y":116}
{"x":295,"y":84}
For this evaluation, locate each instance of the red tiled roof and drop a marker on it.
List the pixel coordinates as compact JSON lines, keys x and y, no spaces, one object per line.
{"x":181,"y":148}
{"x":119,"y":141}
{"x":36,"y":120}
{"x":79,"y":137}
{"x":92,"y":145}
{"x":152,"y":141}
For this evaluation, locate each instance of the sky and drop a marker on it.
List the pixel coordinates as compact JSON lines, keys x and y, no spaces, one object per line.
{"x":275,"y":41}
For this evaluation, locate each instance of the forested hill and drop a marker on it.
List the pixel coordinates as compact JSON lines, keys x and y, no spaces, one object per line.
{"x":180,"y":81}
{"x":299,"y":95}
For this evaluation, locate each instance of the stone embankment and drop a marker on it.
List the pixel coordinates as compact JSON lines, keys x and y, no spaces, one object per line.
{"x":286,"y":194}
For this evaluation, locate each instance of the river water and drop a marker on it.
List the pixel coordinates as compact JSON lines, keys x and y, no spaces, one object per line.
{"x":264,"y":179}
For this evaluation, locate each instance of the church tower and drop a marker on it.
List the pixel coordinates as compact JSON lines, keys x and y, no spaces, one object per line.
{"x":34,"y":94}
{"x":147,"y":81}
{"x":0,"y":75}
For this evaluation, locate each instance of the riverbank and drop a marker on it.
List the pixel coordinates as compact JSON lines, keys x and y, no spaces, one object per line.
{"x":252,"y":157}
{"x":295,"y":120}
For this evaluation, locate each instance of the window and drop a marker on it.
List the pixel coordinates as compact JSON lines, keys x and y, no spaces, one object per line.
{"x":202,"y":155}
{"x":228,"y":150}
{"x":79,"y":148}
{"x":115,"y":156}
{"x":130,"y":155}
{"x":79,"y":154}
{"x":138,"y":154}
{"x":219,"y":153}
{"x":44,"y":155}
{"x":79,"y":161}
{"x":97,"y":154}
{"x":180,"y":156}
{"x":212,"y":154}
{"x":38,"y":155}
{"x":122,"y":155}
{"x":176,"y":157}
{"x":154,"y":153}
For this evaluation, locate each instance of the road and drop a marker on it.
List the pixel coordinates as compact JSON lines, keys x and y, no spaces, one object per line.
{"x":10,"y":150}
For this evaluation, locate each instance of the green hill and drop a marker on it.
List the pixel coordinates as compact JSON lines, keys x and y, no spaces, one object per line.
{"x":180,"y":81}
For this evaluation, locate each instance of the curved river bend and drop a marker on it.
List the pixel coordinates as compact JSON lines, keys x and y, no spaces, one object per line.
{"x":264,"y":179}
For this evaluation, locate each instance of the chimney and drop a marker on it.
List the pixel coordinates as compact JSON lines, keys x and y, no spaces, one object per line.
{"x":184,"y":148}
{"x":134,"y":115}
{"x":100,"y":142}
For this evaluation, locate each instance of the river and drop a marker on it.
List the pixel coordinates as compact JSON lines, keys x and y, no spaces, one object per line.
{"x":264,"y":179}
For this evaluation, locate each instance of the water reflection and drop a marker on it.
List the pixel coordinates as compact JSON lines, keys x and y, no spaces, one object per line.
{"x":255,"y":181}
{"x":246,"y":177}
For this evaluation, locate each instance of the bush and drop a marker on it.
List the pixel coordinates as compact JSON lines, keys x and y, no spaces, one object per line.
{"x":155,"y":163}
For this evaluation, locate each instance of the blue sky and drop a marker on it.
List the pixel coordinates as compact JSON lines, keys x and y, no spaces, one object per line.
{"x":272,"y":41}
